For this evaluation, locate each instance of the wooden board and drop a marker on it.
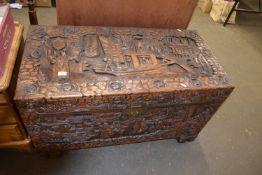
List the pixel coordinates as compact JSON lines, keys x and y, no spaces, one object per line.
{"x":5,"y":80}
{"x":9,"y":133}
{"x":7,"y":115}
{"x":126,"y":13}
{"x":23,"y":145}
{"x":12,"y":134}
{"x":3,"y":98}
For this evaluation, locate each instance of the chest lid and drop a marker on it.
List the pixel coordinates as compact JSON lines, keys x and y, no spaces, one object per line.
{"x":70,"y":61}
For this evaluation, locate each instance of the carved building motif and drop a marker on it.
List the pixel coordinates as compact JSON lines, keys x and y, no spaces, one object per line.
{"x":94,"y":86}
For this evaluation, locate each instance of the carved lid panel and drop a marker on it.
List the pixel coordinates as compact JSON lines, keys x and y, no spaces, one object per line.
{"x":70,"y":61}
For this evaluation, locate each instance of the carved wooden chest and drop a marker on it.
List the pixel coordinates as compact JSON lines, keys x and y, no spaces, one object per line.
{"x":83,"y":87}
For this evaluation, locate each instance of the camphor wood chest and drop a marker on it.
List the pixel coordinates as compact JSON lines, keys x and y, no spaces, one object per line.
{"x":82,"y":87}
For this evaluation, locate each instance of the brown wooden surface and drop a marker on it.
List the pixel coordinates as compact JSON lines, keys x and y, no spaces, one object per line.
{"x":126,"y":13}
{"x":81,"y":87}
{"x":5,"y":79}
{"x":3,"y":98}
{"x":7,"y":115}
{"x":22,"y":145}
{"x":12,"y":133}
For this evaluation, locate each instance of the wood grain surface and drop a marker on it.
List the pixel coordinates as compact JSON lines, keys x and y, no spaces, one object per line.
{"x":22,"y":145}
{"x":3,"y":98}
{"x":7,"y":115}
{"x":9,"y":133}
{"x":12,"y":133}
{"x":5,"y":80}
{"x":126,"y":13}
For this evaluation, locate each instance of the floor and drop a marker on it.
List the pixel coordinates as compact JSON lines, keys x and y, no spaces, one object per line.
{"x":230,"y":144}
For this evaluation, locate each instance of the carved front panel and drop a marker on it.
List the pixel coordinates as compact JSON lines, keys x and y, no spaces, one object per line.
{"x":72,"y":130}
{"x":95,"y":86}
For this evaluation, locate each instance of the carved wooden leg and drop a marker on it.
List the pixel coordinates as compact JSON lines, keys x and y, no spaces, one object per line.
{"x":32,"y":12}
{"x":183,"y":139}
